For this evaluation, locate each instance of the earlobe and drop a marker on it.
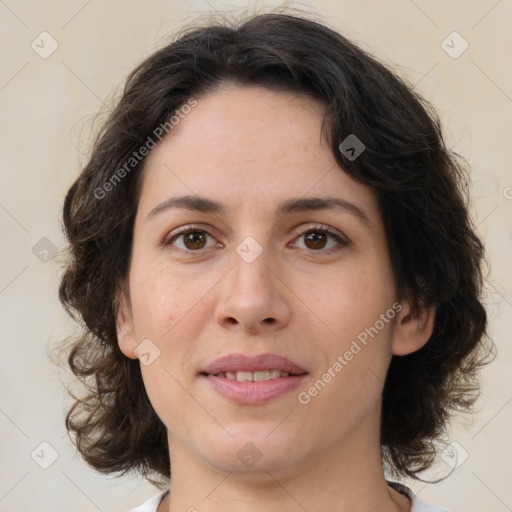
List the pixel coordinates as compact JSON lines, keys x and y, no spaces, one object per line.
{"x":124,"y":326}
{"x":413,"y":329}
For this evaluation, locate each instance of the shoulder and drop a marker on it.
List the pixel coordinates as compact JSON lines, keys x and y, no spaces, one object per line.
{"x":417,"y":505}
{"x":151,"y":505}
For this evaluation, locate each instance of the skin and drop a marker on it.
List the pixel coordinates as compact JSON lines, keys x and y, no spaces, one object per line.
{"x":251,"y":148}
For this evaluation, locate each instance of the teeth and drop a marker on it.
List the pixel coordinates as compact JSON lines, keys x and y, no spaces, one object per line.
{"x":244,"y":376}
{"x":254,"y":376}
{"x":263,"y":375}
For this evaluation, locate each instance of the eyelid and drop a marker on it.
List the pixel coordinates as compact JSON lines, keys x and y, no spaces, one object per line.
{"x":341,"y":240}
{"x":183,"y":230}
{"x":301,"y":230}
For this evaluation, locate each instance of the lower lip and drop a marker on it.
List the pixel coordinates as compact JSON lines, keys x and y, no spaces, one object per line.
{"x":253,"y":393}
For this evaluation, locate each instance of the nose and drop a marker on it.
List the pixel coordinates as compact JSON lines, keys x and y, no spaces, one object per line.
{"x":253,"y":296}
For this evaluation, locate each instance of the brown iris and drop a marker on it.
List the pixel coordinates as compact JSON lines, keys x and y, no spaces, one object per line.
{"x":315,"y":238}
{"x":197,"y":239}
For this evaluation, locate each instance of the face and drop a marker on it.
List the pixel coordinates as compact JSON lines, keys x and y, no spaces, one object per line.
{"x":252,"y":269}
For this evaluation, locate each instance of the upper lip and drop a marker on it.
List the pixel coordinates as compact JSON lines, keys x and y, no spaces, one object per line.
{"x":242,"y":363}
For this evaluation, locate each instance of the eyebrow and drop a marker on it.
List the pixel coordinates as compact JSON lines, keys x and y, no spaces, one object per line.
{"x":205,"y":205}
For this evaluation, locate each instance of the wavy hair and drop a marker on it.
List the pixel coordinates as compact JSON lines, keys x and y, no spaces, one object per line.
{"x":422,"y":192}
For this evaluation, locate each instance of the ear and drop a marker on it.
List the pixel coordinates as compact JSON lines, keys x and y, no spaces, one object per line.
{"x":412,"y":329}
{"x":124,"y":324}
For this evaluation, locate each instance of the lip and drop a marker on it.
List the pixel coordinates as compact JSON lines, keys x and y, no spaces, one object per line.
{"x":253,"y":393}
{"x":242,"y":363}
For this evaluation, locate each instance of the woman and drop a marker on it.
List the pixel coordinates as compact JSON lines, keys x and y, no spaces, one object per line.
{"x":271,"y":251}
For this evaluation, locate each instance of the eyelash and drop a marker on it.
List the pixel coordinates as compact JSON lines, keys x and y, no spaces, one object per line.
{"x":316,"y":228}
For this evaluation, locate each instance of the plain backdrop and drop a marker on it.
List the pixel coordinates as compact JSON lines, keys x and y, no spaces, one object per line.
{"x":47,"y":104}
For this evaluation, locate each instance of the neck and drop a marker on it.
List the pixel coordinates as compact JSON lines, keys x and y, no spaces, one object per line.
{"x":347,"y":477}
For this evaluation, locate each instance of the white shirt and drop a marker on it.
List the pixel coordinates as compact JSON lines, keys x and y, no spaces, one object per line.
{"x":417,"y":505}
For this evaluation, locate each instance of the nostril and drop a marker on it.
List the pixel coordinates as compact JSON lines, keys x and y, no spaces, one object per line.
{"x":269,"y":320}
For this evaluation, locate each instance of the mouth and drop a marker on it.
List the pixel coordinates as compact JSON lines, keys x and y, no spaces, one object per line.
{"x":253,"y":380}
{"x":253,"y":368}
{"x":259,"y":376}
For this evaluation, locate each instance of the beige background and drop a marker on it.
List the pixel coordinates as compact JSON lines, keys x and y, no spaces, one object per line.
{"x":46,"y":111}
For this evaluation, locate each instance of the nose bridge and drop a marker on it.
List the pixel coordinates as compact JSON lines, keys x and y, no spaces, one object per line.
{"x":253,"y":256}
{"x":252,"y":277}
{"x":252,"y":296}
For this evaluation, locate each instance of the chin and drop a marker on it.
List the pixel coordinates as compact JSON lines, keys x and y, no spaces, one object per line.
{"x":252,"y":451}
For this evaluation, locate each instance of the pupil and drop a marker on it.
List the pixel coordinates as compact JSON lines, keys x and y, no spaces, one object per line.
{"x":195,"y":238}
{"x":315,"y":238}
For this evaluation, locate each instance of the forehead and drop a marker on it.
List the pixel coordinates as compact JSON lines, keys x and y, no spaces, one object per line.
{"x":248,"y":146}
{"x":246,"y":126}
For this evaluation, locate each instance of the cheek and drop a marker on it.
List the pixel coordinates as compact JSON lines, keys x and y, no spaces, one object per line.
{"x":351,"y":304}
{"x":170,"y":308}
{"x":351,"y":299}
{"x":160,"y":296}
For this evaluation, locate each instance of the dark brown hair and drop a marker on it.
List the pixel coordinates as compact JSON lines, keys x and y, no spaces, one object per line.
{"x":422,"y":192}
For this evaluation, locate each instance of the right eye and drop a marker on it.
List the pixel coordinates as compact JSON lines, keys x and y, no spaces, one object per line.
{"x":192,"y":239}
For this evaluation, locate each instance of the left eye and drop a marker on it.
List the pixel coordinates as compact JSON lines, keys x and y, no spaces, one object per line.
{"x":316,"y":239}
